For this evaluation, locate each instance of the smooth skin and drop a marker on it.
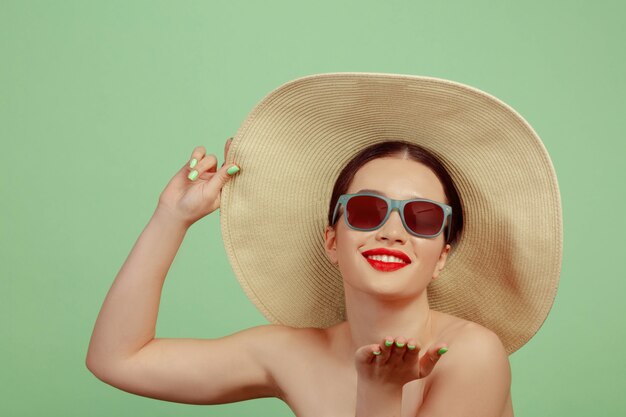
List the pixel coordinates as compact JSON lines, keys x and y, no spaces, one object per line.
{"x":317,"y":372}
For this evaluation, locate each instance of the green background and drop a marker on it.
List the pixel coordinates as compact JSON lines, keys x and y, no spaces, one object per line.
{"x":102,"y":102}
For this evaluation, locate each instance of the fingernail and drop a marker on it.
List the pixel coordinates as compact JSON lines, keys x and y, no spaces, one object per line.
{"x":399,"y":344}
{"x":193,"y":163}
{"x":442,"y":350}
{"x":388,"y":343}
{"x":410,"y":347}
{"x":193,"y":175}
{"x":378,"y":352}
{"x":232,"y":170}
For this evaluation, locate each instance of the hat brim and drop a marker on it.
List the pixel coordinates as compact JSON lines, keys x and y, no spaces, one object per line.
{"x":503,"y":272}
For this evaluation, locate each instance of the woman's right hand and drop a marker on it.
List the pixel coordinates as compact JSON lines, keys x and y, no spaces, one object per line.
{"x":195,"y":190}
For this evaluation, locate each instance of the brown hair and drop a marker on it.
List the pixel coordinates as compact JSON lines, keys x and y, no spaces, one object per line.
{"x":404,"y":150}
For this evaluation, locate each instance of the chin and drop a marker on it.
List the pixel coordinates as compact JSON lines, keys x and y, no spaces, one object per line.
{"x":386,"y":288}
{"x":392,"y":292}
{"x":403,"y":283}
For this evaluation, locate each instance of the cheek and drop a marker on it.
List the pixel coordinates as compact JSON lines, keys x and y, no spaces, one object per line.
{"x":427,"y":251}
{"x":349,"y":242}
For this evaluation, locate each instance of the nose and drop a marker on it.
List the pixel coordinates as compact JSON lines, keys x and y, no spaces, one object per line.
{"x":393,"y":229}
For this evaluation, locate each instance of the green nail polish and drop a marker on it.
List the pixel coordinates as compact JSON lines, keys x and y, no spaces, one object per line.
{"x":399,"y":344}
{"x":388,"y":343}
{"x":410,"y":347}
{"x":233,"y":170}
{"x":193,"y":163}
{"x":378,"y":352}
{"x":193,"y":175}
{"x":442,"y":350}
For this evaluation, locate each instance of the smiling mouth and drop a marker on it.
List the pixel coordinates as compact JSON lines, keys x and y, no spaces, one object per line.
{"x":385,"y":266}
{"x":386,"y":262}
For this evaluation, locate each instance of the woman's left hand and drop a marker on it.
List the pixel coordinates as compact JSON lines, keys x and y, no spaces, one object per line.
{"x":399,"y":361}
{"x":381,"y":376}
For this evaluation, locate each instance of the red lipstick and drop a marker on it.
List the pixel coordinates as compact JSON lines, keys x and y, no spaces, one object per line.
{"x":386,"y":266}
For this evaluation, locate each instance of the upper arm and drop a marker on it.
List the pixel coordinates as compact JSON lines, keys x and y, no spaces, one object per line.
{"x":472,"y":379}
{"x":199,"y":371}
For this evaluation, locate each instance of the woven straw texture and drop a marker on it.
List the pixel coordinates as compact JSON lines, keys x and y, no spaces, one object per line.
{"x":503,"y":272}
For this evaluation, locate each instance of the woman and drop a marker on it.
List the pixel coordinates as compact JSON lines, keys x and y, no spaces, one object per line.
{"x":383,"y":353}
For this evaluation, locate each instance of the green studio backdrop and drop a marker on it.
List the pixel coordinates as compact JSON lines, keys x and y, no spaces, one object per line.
{"x":101,"y":102}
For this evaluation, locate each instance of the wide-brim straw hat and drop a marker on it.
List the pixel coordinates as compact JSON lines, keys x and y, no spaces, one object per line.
{"x":502,"y":273}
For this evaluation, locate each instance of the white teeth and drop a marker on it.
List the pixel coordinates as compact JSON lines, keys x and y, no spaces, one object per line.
{"x":386,"y":258}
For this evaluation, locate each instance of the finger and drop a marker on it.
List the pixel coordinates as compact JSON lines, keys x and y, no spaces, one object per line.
{"x":399,"y":349}
{"x":412,"y":351}
{"x":197,"y":154}
{"x":367,"y":353}
{"x":211,"y":163}
{"x":386,"y":348}
{"x":430,"y":359}
{"x":206,"y":164}
{"x":224,"y":174}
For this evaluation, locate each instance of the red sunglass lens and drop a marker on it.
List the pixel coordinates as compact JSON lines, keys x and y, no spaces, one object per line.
{"x":423,"y":217}
{"x":366,"y":212}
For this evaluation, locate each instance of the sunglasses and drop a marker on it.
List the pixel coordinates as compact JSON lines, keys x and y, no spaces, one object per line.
{"x":420,"y":217}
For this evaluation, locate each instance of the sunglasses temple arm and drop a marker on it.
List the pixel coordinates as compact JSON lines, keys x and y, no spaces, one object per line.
{"x":335,"y":212}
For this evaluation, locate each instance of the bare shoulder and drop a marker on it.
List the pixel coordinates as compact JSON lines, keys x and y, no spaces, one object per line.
{"x":273,"y":341}
{"x":280,"y":349}
{"x":273,"y":337}
{"x":475,"y":371}
{"x":471,"y":346}
{"x":276,"y":349}
{"x":467,"y":334}
{"x":478,"y":347}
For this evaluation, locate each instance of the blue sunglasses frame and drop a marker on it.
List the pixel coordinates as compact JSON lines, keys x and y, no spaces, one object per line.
{"x":394,"y":205}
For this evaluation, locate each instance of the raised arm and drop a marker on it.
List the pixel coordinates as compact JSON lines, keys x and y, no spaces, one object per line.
{"x":123,"y":350}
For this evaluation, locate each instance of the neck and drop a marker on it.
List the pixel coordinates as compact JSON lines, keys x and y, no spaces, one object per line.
{"x":370,"y":319}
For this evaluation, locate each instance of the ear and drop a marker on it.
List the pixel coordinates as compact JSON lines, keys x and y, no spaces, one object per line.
{"x":441,"y":262}
{"x":330,"y":244}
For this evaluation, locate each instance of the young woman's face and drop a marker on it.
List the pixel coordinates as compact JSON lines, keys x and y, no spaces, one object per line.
{"x":399,"y":179}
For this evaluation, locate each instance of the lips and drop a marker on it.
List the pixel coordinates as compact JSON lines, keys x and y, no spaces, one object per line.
{"x":386,"y":266}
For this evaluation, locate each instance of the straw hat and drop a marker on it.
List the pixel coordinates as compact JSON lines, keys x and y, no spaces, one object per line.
{"x":503,"y":272}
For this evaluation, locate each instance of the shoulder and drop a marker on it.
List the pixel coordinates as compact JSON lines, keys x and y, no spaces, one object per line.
{"x":469,"y":335}
{"x":480,"y":341}
{"x":270,"y":338}
{"x":273,"y":344}
{"x":295,"y":333}
{"x":472,"y":346}
{"x":479,"y":349}
{"x":475,"y":370}
{"x":279,"y":349}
